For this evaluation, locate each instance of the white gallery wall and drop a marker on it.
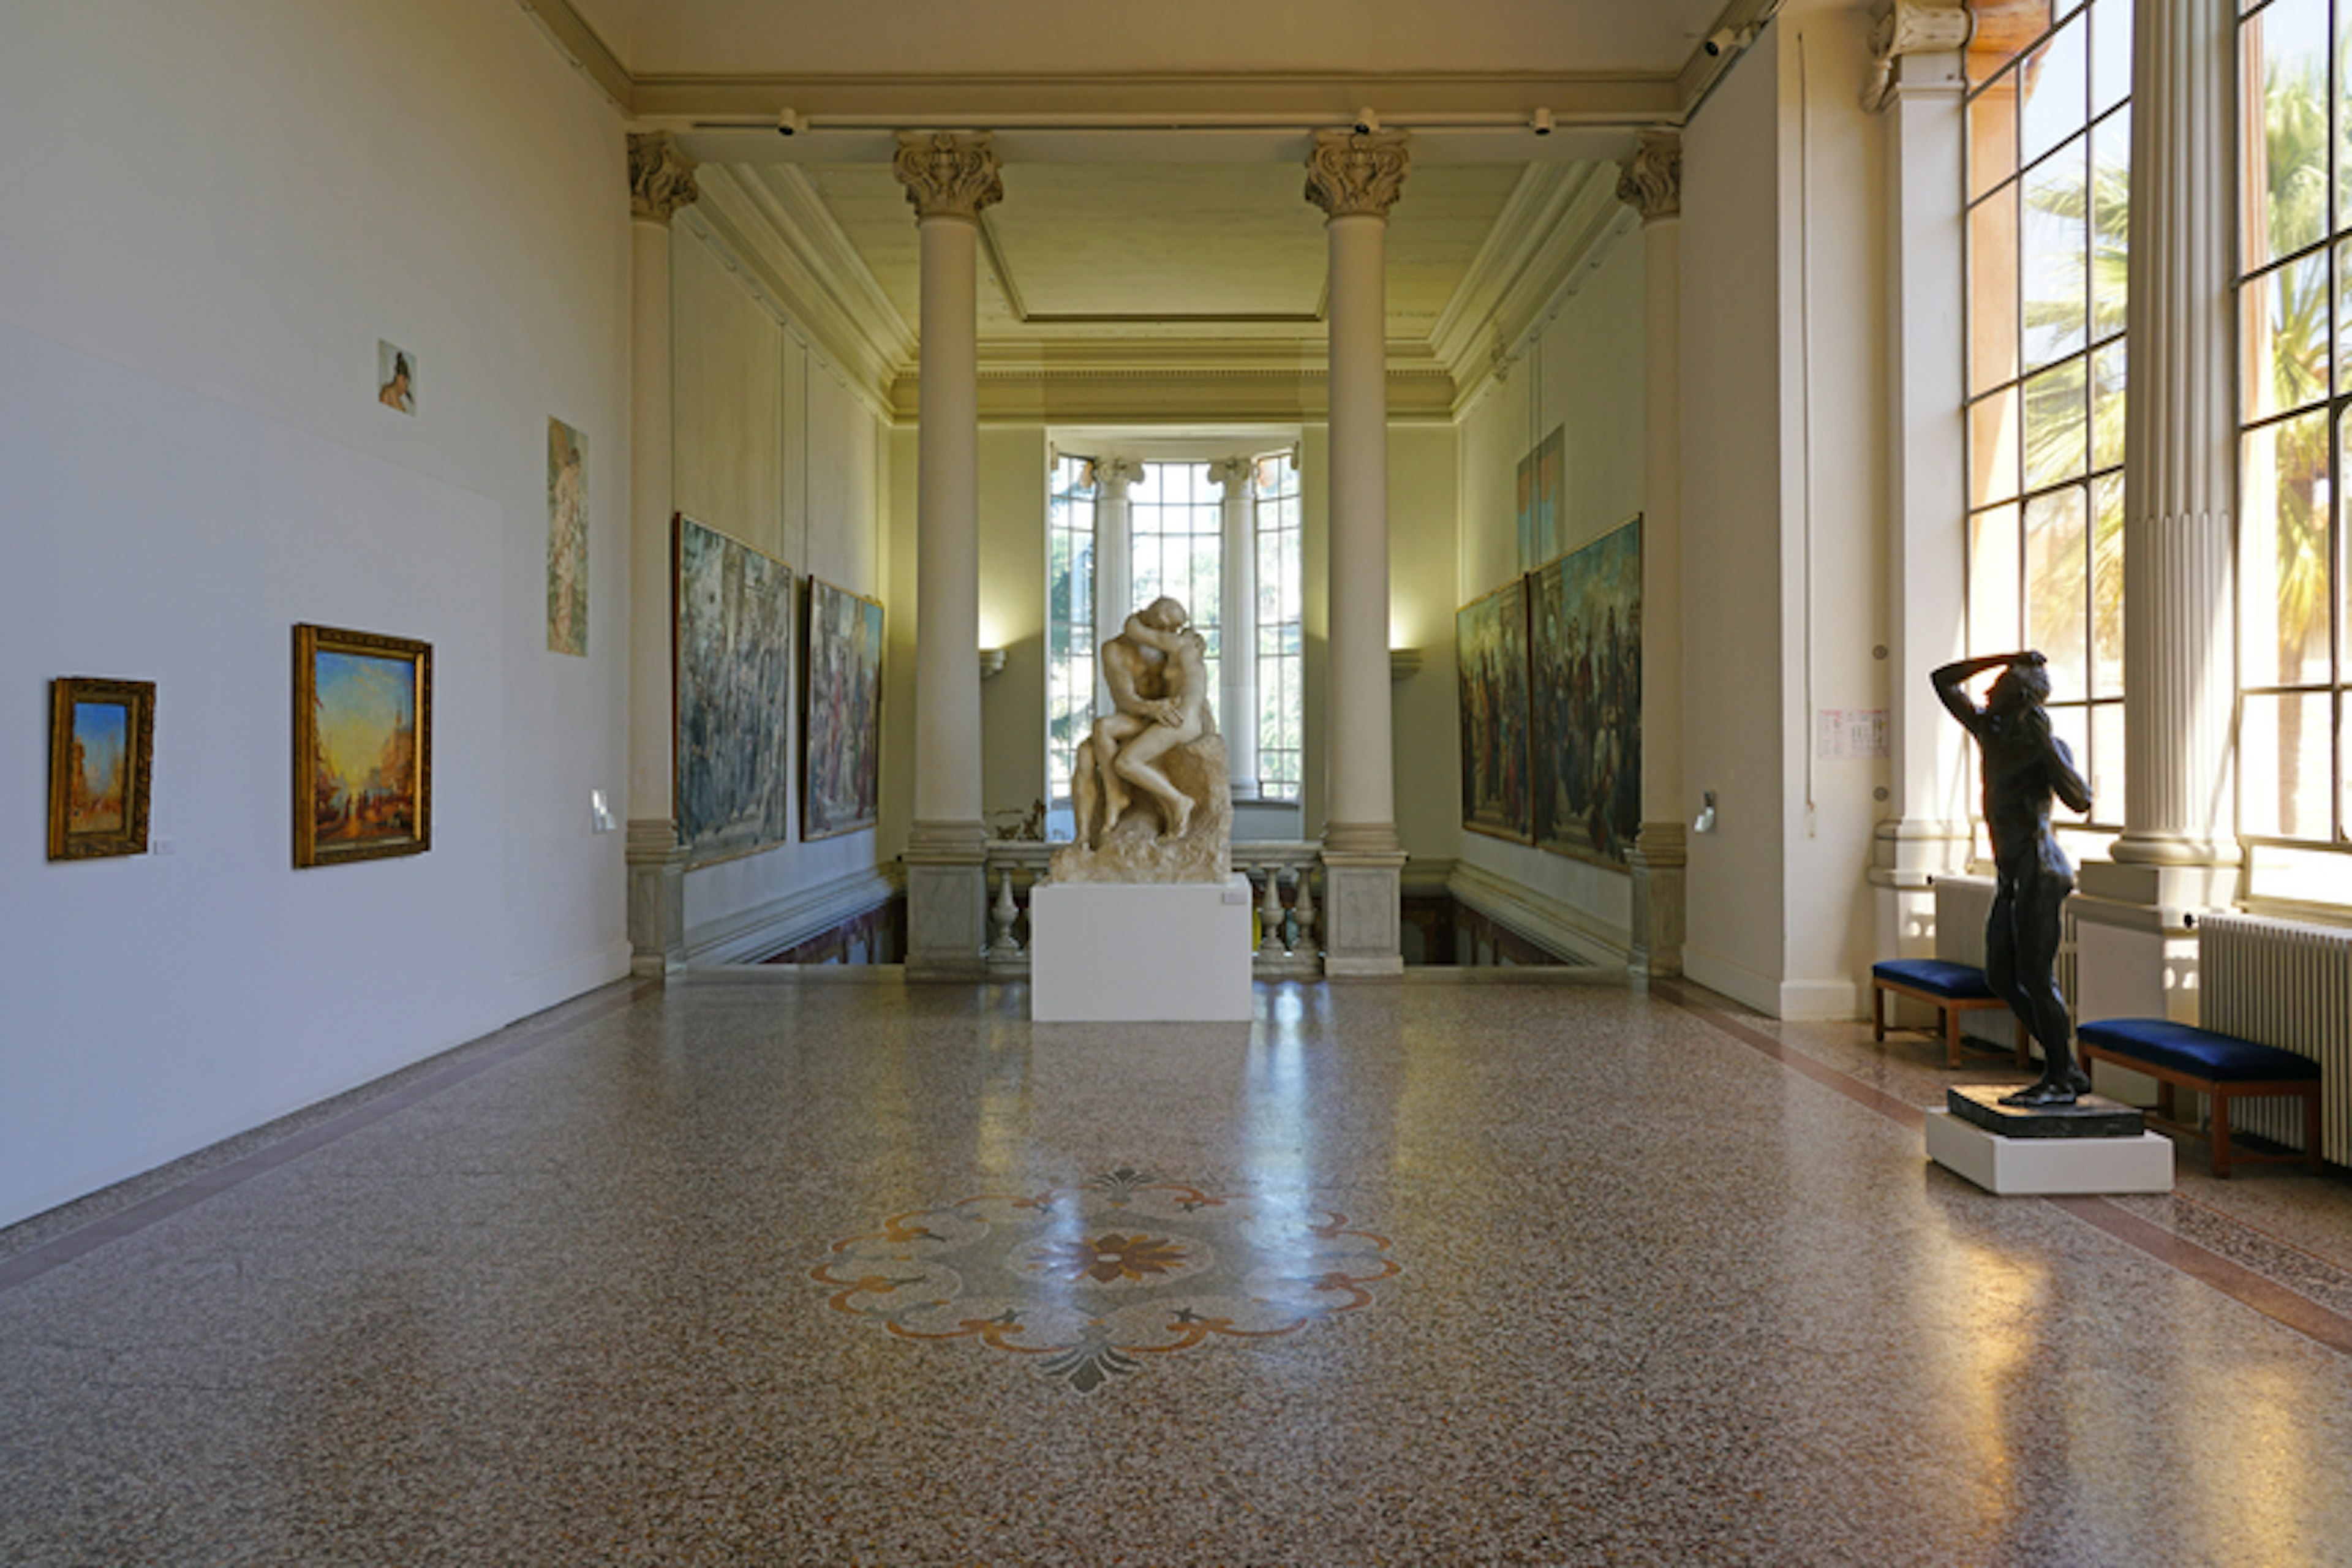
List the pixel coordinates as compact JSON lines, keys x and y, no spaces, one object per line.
{"x":771,"y":445}
{"x":193,"y":460}
{"x":1784,"y":487}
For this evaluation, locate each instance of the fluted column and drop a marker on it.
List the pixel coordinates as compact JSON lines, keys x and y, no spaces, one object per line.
{"x":2136,"y":952}
{"x":1918,"y":83}
{"x":1237,"y":628}
{"x":1651,"y":183}
{"x":1113,"y":558}
{"x":1356,"y":177}
{"x":948,"y":179}
{"x":661,"y":180}
{"x":2178,"y":851}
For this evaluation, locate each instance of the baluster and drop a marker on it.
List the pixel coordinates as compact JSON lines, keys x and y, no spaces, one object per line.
{"x":1002,"y":916}
{"x":1306,"y":912}
{"x":1269,"y":913}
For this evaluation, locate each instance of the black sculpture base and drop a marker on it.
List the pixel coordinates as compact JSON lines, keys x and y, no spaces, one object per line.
{"x":2092,"y":1116}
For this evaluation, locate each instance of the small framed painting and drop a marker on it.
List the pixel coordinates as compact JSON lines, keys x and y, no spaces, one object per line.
{"x":363,"y":746}
{"x":102,"y":734}
{"x":395,"y":377}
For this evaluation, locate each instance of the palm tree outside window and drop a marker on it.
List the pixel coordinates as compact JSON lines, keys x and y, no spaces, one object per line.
{"x":2295,"y":305}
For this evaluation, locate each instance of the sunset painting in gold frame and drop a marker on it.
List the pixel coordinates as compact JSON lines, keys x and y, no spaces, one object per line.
{"x":363,"y":746}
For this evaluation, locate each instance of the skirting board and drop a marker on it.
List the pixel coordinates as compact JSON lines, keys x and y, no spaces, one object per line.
{"x":2050,"y":1167}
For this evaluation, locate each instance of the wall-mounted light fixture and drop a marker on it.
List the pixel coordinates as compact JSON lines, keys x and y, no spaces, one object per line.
{"x":992,"y":662}
{"x":1541,"y":122}
{"x":789,"y":121}
{"x":1403,"y":662}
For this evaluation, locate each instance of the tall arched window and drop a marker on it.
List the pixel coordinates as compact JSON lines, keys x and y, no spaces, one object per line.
{"x":2295,"y":312}
{"x":2048,"y":188}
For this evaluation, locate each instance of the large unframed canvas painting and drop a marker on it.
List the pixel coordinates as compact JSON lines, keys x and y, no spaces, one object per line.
{"x":1586,"y":632}
{"x":1542,"y":482}
{"x":567,"y":539}
{"x":734,"y":628}
{"x":1491,"y":652}
{"x":843,"y":747}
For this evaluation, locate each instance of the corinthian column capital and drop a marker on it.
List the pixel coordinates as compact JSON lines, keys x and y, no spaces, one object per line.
{"x":1357,"y":173}
{"x":1651,"y":182}
{"x":1232,"y":473}
{"x":1913,"y":27}
{"x":661,"y":178}
{"x":1113,"y":475}
{"x":948,"y":175}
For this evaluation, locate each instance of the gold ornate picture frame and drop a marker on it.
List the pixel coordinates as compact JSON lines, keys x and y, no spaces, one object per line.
{"x":363,"y":746}
{"x":102,"y":746}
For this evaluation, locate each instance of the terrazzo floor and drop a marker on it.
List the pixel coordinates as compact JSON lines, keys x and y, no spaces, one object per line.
{"x":777,"y":1271}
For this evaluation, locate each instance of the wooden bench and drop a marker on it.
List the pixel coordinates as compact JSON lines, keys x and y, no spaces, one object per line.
{"x":1952,"y":989}
{"x":2181,"y":1056}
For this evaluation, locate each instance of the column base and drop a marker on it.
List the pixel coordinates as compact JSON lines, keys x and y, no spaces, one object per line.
{"x":1657,"y":861}
{"x":947,"y":901}
{"x":656,"y":863}
{"x":1364,"y":900}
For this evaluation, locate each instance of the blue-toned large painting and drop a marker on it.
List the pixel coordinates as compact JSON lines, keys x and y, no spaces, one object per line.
{"x":1490,"y":644}
{"x":1585,"y":636}
{"x":734,"y":631}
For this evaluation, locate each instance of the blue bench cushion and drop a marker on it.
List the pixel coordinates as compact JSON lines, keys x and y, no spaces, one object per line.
{"x":1960,"y":982}
{"x":2201,"y":1053}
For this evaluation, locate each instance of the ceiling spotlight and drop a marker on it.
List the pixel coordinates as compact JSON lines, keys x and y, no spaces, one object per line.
{"x":1541,"y":123}
{"x":1366,"y":122}
{"x":1728,"y":40}
{"x":789,"y":123}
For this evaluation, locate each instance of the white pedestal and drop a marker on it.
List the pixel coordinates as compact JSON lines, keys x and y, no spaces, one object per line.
{"x":2074,"y":1167}
{"x":1139,"y":952}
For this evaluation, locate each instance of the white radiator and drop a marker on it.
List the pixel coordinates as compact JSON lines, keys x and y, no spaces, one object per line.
{"x":2288,"y":985}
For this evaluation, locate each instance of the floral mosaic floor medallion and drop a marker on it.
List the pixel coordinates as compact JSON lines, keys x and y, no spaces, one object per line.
{"x":1090,"y":1282}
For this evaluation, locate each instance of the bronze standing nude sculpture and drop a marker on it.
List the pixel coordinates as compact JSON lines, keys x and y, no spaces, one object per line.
{"x":2025,"y":766}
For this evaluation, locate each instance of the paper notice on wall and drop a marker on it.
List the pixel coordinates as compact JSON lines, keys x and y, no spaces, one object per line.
{"x":1849,"y":735}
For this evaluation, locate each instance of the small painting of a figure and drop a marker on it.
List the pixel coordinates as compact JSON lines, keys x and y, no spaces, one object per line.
{"x":567,"y":539}
{"x":395,"y":377}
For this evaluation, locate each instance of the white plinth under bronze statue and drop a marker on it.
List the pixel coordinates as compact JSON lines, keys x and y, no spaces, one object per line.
{"x":1143,"y":918}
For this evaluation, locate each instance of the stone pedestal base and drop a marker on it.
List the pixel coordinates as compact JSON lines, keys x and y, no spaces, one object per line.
{"x":1363,"y":923}
{"x":657,"y":896}
{"x":947,"y":902}
{"x":2093,"y":1147}
{"x":1657,"y":863}
{"x":1139,"y":952}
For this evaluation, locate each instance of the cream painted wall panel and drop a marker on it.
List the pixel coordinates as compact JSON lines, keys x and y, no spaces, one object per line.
{"x":1013,"y":486}
{"x":195,"y":280}
{"x":1584,"y":375}
{"x":1423,"y":544}
{"x":1734,"y":731}
{"x":898,"y":663}
{"x":727,"y":409}
{"x":1835,"y":223}
{"x":772,"y":447}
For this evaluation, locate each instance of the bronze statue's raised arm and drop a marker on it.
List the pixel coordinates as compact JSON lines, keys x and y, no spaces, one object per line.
{"x":1950,"y":681}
